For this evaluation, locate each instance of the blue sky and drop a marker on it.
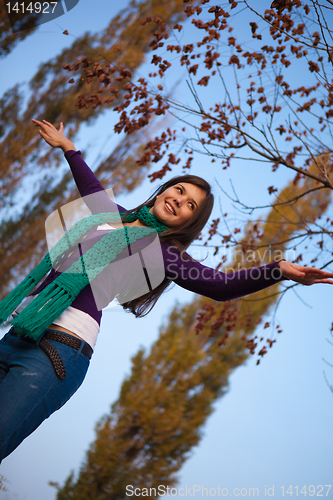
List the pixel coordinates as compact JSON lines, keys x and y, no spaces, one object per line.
{"x":273,"y":428}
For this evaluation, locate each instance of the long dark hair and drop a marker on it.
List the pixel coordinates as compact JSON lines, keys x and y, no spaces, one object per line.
{"x":181,"y":236}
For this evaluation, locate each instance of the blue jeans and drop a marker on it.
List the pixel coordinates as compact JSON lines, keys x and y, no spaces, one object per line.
{"x":30,"y":391}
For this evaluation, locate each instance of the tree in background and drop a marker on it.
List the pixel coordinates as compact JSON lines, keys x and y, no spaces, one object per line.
{"x":165,"y":402}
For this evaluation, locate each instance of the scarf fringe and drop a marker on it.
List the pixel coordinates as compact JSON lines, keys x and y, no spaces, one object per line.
{"x":42,"y":311}
{"x":10,"y":303}
{"x":15,"y":297}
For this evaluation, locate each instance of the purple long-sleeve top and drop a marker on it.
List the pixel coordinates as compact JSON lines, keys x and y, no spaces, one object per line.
{"x":188,"y":274}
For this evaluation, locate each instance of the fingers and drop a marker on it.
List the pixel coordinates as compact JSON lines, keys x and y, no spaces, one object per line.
{"x":305,"y":275}
{"x":49,"y":124}
{"x":43,"y":131}
{"x":45,"y":125}
{"x":312,"y":271}
{"x":42,"y":125}
{"x":323,"y":281}
{"x":37,"y":123}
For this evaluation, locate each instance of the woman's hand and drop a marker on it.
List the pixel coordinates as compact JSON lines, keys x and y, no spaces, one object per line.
{"x":54,"y":137}
{"x":304,"y":275}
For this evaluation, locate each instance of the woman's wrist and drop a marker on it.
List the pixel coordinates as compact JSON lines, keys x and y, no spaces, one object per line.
{"x":67,"y":146}
{"x":279,"y":262}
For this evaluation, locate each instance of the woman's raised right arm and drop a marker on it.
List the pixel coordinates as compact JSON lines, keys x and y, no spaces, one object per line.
{"x":85,"y":180}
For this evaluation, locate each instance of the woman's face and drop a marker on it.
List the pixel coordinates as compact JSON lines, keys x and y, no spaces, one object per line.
{"x":178,"y":203}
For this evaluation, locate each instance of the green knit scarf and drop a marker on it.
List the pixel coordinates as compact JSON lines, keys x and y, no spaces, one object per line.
{"x":58,"y":295}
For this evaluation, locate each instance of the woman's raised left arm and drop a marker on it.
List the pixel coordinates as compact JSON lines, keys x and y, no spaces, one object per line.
{"x":209,"y":282}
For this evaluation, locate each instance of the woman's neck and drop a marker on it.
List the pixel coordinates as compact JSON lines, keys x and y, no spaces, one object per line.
{"x":135,"y":223}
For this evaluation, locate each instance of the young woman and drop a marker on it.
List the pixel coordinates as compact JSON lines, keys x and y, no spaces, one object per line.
{"x":45,"y":355}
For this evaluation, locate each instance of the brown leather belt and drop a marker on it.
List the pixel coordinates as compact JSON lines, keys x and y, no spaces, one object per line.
{"x":51,"y":351}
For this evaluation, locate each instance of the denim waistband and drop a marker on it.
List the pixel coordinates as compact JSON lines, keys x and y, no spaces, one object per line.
{"x":52,"y":353}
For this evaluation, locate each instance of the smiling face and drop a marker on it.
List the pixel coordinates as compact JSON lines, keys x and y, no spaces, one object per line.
{"x":177,"y":204}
